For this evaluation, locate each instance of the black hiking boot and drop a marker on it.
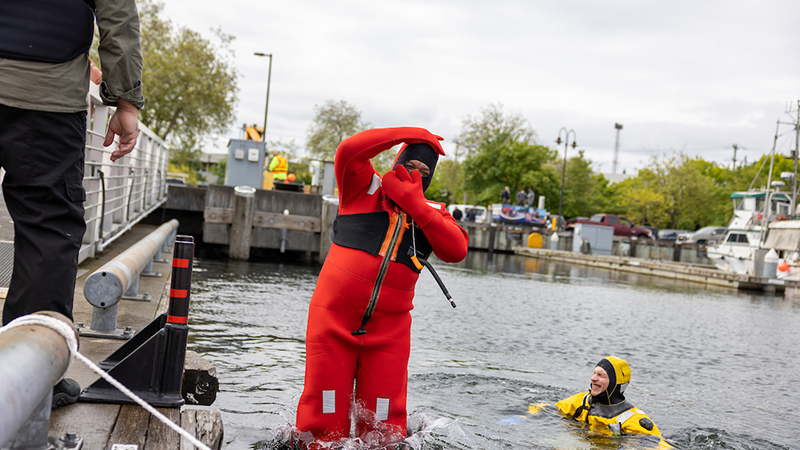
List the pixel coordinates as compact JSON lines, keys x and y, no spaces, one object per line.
{"x":65,"y":392}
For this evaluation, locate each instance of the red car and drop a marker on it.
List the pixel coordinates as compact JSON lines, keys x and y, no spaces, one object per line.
{"x":622,"y":225}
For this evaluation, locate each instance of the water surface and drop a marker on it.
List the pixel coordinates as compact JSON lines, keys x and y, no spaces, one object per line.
{"x":713,"y":368}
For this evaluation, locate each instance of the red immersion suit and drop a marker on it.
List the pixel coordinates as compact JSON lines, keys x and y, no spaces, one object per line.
{"x":369,"y":260}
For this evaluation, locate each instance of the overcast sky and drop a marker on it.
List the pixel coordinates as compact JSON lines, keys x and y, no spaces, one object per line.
{"x":693,"y":76}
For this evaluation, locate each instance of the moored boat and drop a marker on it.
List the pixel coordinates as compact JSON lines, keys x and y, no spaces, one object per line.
{"x":753,"y":211}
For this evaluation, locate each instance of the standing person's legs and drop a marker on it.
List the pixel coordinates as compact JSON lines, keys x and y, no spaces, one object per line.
{"x":382,"y":379}
{"x":43,"y":154}
{"x":331,"y":358}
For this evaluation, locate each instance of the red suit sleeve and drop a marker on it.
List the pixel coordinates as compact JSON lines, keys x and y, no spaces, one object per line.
{"x":448,"y":239}
{"x":352,"y":162}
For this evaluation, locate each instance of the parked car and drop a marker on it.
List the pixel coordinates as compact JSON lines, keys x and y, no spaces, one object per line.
{"x":472,"y":213}
{"x":704,"y":236}
{"x":671,"y":235}
{"x":622,"y":225}
{"x":571,"y":222}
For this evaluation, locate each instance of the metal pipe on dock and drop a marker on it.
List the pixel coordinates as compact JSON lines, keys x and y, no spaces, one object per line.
{"x":105,"y":287}
{"x":33,"y":358}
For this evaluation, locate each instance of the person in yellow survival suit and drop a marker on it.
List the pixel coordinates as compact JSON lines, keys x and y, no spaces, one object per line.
{"x":279,"y":166}
{"x":604,"y":408}
{"x":359,"y":321}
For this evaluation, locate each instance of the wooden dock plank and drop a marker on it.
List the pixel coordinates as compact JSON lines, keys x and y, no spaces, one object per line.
{"x":206,"y":425}
{"x":159,"y":435}
{"x":130,"y":427}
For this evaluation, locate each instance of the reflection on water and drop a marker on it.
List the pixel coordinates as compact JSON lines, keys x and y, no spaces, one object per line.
{"x":713,"y":368}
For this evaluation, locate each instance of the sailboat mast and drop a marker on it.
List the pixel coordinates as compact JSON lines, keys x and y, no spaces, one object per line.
{"x":796,"y":151}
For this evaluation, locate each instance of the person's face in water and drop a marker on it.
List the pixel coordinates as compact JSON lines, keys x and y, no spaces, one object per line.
{"x":599,"y":382}
{"x":413,"y":165}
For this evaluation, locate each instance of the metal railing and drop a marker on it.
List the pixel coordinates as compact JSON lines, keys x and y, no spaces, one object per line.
{"x":118,"y":194}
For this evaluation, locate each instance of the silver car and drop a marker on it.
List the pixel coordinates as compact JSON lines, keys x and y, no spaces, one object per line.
{"x":704,"y":236}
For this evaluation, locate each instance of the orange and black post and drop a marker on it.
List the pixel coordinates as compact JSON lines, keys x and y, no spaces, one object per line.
{"x":176,"y":328}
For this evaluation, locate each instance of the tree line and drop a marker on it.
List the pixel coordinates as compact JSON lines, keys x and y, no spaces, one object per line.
{"x":191,"y":85}
{"x":495,"y":149}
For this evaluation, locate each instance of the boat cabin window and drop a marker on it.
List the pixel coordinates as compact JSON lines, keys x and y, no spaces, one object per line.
{"x":612,"y":219}
{"x":760,"y":204}
{"x":737,"y":238}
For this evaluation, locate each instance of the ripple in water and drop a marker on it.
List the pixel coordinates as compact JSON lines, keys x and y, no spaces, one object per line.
{"x":712,"y":368}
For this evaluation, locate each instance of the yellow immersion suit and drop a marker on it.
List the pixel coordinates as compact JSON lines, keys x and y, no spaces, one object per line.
{"x":609,"y":413}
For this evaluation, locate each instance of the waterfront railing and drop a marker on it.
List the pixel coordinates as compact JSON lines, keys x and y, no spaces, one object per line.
{"x":119,"y":194}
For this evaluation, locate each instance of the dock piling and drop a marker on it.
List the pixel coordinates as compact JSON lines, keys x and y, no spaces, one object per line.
{"x":242,"y":225}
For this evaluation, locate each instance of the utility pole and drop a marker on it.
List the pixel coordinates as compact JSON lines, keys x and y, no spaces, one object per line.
{"x":796,"y":150}
{"x":735,"y":148}
{"x":618,"y":126}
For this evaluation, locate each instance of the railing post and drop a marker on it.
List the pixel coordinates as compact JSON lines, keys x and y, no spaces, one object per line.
{"x":119,"y":279}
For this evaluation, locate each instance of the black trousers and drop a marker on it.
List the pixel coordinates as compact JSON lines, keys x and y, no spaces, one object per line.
{"x":43,"y":155}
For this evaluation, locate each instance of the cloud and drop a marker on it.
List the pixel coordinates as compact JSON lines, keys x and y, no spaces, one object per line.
{"x":681,"y":75}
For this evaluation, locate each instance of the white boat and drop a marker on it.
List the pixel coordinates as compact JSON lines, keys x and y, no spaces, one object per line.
{"x":746,"y":232}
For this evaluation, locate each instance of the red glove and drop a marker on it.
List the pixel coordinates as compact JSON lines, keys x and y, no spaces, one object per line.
{"x":405,"y":189}
{"x":414,"y":135}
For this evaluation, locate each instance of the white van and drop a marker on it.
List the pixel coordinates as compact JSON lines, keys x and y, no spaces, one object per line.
{"x":480,"y":212}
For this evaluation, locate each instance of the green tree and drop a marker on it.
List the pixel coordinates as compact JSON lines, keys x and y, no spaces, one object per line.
{"x":642,"y":200}
{"x":219,"y":171}
{"x":505,"y":161}
{"x":585,"y":193}
{"x":289,"y":149}
{"x":491,"y":123}
{"x":190,"y":84}
{"x":333,"y":122}
{"x":447,"y":185}
{"x":685,"y":189}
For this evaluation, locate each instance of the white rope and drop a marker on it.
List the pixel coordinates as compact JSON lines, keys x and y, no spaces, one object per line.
{"x":59,"y":326}
{"x":142,"y":403}
{"x":72,"y":343}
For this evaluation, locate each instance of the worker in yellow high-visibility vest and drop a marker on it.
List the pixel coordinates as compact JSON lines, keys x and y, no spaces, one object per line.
{"x":279,"y":166}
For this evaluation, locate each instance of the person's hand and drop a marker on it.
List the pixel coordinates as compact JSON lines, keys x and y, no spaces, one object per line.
{"x":422,"y":136}
{"x":95,"y":75}
{"x":125,"y":124}
{"x":405,"y":189}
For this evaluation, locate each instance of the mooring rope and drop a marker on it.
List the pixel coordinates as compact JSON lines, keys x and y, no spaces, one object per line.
{"x":68,"y":334}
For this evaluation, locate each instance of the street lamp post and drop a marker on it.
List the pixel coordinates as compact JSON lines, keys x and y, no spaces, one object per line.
{"x":564,"y":165}
{"x":617,"y":126}
{"x":266,"y":108}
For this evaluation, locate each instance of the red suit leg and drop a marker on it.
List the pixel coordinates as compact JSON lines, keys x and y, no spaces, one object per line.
{"x":382,"y":377}
{"x":331,"y":354}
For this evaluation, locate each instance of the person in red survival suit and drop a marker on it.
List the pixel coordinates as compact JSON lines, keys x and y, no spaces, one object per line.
{"x":359,"y":321}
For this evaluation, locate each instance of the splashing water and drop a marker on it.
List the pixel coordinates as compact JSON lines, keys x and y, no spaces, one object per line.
{"x":422,"y":430}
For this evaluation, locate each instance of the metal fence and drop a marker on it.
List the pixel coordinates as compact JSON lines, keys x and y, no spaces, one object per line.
{"x":119,"y":194}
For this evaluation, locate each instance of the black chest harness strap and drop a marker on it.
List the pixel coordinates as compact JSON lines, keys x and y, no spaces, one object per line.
{"x":368,"y":231}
